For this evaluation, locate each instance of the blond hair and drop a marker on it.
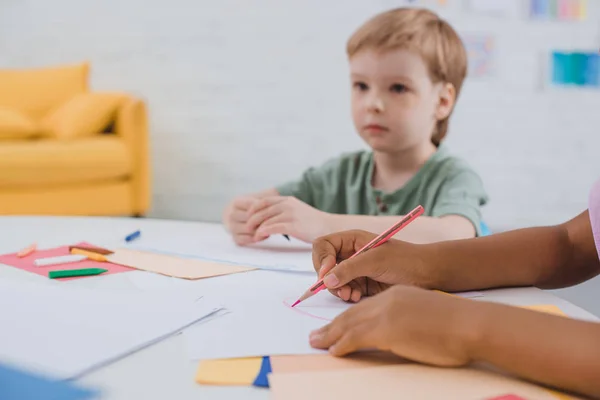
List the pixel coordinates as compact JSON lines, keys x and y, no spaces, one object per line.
{"x":423,"y":32}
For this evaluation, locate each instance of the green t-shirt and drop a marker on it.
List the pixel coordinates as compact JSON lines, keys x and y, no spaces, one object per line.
{"x":445,"y":185}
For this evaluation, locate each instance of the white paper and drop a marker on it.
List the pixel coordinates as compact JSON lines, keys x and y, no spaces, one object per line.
{"x":65,"y":331}
{"x":469,"y":295}
{"x":261,"y":321}
{"x":275,"y":253}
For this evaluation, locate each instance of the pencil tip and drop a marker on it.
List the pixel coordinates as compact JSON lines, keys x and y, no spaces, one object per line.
{"x":297,"y":301}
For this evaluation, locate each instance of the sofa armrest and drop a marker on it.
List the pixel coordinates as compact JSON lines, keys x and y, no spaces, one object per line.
{"x":132,"y":125}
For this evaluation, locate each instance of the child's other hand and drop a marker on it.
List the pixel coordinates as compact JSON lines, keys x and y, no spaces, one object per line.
{"x":236,"y":218}
{"x":413,"y":323}
{"x":286,"y":215}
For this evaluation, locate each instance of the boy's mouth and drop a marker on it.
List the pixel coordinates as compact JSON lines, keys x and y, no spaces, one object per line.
{"x":375,"y":128}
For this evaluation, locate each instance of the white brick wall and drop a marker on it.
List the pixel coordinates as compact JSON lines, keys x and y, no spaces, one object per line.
{"x":234,"y":87}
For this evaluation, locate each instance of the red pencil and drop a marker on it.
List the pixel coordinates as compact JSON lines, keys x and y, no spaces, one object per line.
{"x":378,"y":241}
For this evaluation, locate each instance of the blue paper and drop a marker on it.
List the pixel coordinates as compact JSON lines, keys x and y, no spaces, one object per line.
{"x":592,"y":70}
{"x":560,"y":68}
{"x":20,"y":385}
{"x":540,"y":8}
{"x":265,"y":369}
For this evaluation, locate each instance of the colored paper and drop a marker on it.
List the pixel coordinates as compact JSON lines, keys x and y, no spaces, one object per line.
{"x":235,"y":371}
{"x":26,"y":263}
{"x":575,"y":68}
{"x":480,"y":54}
{"x":216,"y":245}
{"x":562,"y":10}
{"x":16,"y":384}
{"x":262,"y":379}
{"x":400,"y":381}
{"x":67,"y":331}
{"x":547,"y":308}
{"x":326,"y":362}
{"x":173,"y":266}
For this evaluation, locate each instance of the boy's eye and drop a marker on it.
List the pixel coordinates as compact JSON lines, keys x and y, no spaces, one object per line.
{"x":398,"y":88}
{"x":360,"y":86}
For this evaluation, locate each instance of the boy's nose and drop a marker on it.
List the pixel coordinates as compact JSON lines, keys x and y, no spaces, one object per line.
{"x":376,"y":105}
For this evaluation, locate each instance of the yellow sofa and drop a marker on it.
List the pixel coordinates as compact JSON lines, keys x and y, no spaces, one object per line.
{"x":67,"y":150}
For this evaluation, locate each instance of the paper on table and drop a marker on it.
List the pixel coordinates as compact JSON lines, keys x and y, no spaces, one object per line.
{"x":469,"y":295}
{"x":274,"y":253}
{"x":266,"y":266}
{"x":67,"y":331}
{"x":26,"y":263}
{"x":326,"y":362}
{"x":262,"y":379}
{"x":391,"y":382}
{"x":234,"y":371}
{"x":261,"y":322}
{"x":173,"y":266}
{"x":547,"y":308}
{"x":261,"y":326}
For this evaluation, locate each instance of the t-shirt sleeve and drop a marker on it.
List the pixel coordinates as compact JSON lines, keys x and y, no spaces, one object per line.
{"x":305,"y":187}
{"x":315,"y":185}
{"x":462,"y":194}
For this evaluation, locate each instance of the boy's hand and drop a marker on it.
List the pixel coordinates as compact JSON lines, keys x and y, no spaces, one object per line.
{"x":236,"y":218}
{"x":394,"y":262}
{"x":413,"y":323}
{"x":286,"y":215}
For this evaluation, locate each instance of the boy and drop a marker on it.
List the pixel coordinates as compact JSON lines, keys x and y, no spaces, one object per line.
{"x":407,"y":67}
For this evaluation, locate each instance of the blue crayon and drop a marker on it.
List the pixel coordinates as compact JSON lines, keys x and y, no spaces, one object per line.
{"x":133,"y":236}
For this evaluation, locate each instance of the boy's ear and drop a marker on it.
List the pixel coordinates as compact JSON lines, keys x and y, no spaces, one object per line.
{"x":447,"y":95}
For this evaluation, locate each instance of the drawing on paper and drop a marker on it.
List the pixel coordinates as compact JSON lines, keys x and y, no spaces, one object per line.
{"x":324,"y":308}
{"x":480,"y":53}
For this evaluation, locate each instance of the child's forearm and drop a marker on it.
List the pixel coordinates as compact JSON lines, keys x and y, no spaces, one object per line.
{"x":422,"y":230}
{"x":547,"y":257}
{"x":548,"y":349}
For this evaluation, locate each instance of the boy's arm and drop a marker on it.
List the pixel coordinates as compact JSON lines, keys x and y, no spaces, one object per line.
{"x":422,"y":230}
{"x":265,"y":193}
{"x":454,"y":214}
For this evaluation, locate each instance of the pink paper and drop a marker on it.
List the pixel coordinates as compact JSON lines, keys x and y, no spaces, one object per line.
{"x":26,"y":263}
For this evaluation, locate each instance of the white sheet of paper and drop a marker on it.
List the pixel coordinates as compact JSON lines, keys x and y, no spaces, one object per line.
{"x":65,"y":331}
{"x":261,"y":321}
{"x":275,"y":253}
{"x":469,"y":295}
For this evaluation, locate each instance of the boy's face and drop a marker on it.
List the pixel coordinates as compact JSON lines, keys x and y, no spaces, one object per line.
{"x":395,"y":105}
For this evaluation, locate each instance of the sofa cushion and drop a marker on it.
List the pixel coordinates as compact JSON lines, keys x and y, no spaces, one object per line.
{"x":35,"y":163}
{"x":36,"y":91}
{"x":85,"y":114}
{"x":15,"y":125}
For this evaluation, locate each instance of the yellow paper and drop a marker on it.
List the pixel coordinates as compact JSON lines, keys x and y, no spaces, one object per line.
{"x":177,"y":267}
{"x":547,"y":308}
{"x":233,"y":371}
{"x":408,"y":381}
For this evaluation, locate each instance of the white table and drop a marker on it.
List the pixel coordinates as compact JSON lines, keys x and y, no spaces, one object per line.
{"x":163,"y":370}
